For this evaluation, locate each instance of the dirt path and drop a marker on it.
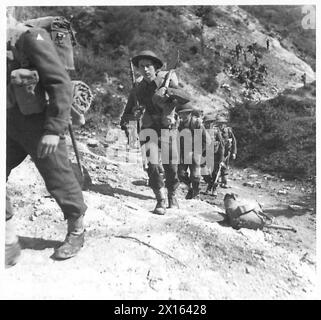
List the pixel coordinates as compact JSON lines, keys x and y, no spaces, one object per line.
{"x":131,"y":253}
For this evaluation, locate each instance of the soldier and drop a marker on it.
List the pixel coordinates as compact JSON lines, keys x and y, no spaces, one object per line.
{"x":230,"y":148}
{"x":250,"y":48}
{"x":36,"y":128}
{"x":159,"y":103}
{"x":263,"y":69}
{"x":191,"y":119}
{"x":218,"y":149}
{"x":267,"y":44}
{"x":244,"y":55}
{"x":304,"y":79}
{"x":238,"y":50}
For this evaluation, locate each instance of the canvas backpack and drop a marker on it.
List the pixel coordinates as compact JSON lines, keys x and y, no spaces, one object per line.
{"x":30,"y":97}
{"x":245,"y":213}
{"x":62,"y":35}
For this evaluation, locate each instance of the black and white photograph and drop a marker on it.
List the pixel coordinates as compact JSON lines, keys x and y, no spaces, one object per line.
{"x":160,"y":151}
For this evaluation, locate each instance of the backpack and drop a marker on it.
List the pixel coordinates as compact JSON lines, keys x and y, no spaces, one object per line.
{"x":31,"y":98}
{"x":244,"y":213}
{"x":62,"y":35}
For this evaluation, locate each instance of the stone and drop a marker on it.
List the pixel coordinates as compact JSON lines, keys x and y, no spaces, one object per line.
{"x":92,"y":143}
{"x":258,"y":184}
{"x":249,"y":184}
{"x":295,"y":207}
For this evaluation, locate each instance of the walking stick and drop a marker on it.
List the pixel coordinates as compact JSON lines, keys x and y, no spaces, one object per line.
{"x":74,"y":144}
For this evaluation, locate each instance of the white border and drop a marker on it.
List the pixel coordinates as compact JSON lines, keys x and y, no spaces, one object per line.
{"x":6,"y":3}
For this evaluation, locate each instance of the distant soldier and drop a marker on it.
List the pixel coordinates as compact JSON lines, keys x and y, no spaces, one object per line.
{"x":217,"y":140}
{"x":244,"y":55}
{"x":230,"y":148}
{"x":304,"y":79}
{"x":263,"y":69}
{"x":238,"y":50}
{"x":234,"y":69}
{"x":190,"y":119}
{"x":267,"y":43}
{"x":250,"y":48}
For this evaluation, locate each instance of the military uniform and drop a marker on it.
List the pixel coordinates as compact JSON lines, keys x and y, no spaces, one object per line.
{"x":218,"y":149}
{"x":194,"y":158}
{"x":230,"y":148}
{"x":159,"y":114}
{"x":34,"y":50}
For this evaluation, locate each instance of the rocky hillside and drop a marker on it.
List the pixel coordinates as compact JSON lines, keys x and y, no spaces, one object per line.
{"x":192,"y":252}
{"x":130,"y":253}
{"x":206,"y":38}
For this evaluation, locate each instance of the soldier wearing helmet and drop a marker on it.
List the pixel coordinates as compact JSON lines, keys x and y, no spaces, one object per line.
{"x":190,"y":156}
{"x":230,"y":148}
{"x":217,"y":140}
{"x":159,"y":103}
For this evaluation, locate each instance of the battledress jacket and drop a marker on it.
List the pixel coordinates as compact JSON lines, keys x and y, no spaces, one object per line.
{"x":229,"y":140}
{"x":34,"y":49}
{"x":206,"y":139}
{"x":144,"y":92}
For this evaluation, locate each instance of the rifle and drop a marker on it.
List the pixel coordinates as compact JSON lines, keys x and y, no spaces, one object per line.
{"x":215,"y":184}
{"x":276,"y":226}
{"x":172,"y":69}
{"x":81,"y":174}
{"x":138,"y":110}
{"x":168,"y":110}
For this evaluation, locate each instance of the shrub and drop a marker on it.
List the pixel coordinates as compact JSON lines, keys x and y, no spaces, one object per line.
{"x":277,"y":136}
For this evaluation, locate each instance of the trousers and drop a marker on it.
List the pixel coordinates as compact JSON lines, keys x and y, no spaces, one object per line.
{"x":162,"y":158}
{"x":23,"y":136}
{"x":194,"y":169}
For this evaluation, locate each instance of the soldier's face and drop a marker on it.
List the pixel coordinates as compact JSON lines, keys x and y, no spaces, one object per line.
{"x":207,"y":125}
{"x":147,"y":69}
{"x":185,"y":117}
{"x":196,"y":121}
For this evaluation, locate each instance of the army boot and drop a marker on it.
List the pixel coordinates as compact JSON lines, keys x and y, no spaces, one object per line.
{"x":160,"y":197}
{"x":12,"y":246}
{"x":172,"y":200}
{"x":224,"y":182}
{"x":74,"y":240}
{"x":208,"y":180}
{"x":189,"y":194}
{"x":209,"y":188}
{"x":214,"y":191}
{"x":196,"y":190}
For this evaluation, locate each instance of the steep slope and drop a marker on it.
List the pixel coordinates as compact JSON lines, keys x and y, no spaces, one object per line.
{"x":131,"y":253}
{"x":234,"y":25}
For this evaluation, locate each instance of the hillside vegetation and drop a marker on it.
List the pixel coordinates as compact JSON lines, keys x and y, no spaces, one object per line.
{"x":278,"y":135}
{"x":265,"y":115}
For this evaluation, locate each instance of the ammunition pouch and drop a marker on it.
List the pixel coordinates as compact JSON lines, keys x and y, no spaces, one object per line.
{"x":29,"y":95}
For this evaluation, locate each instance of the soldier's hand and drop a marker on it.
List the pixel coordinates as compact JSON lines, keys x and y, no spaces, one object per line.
{"x":124,"y":127}
{"x":48,"y":144}
{"x":233,"y":156}
{"x":161,"y":91}
{"x":222,"y":164}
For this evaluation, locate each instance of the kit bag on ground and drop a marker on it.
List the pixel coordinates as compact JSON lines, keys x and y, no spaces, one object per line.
{"x":244,"y":213}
